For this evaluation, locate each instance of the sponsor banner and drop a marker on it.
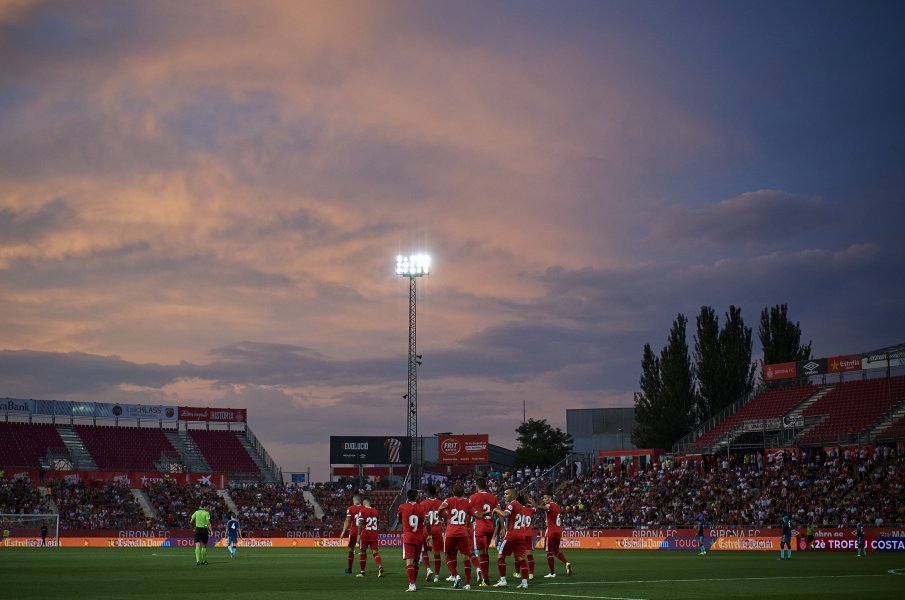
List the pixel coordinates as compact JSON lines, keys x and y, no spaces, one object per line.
{"x":843,"y":364}
{"x":849,"y":543}
{"x":207,"y":413}
{"x":787,"y":370}
{"x":877,"y":539}
{"x":809,"y":368}
{"x":773,"y":424}
{"x":878,"y":361}
{"x":135,"y":411}
{"x":134,"y":479}
{"x":372,"y":450}
{"x":13,"y":406}
{"x":463,"y":449}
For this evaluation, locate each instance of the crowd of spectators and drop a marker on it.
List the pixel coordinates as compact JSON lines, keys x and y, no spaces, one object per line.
{"x":21,"y":496}
{"x":175,"y":503}
{"x":96,"y":505}
{"x":264,"y":507}
{"x":833,"y":488}
{"x":743,"y":490}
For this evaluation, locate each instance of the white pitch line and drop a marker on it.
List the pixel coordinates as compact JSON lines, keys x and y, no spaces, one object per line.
{"x":716,"y":579}
{"x":526,"y":593}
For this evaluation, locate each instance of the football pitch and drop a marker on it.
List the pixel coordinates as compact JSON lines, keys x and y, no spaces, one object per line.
{"x":166,"y":573}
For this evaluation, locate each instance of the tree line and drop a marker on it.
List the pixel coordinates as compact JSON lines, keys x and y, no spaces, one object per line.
{"x":681,"y":389}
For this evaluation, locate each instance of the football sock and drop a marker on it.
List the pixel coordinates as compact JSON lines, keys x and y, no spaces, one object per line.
{"x":562,"y":557}
{"x":501,"y":565}
{"x":550,"y":561}
{"x":362,"y":561}
{"x":378,"y":560}
{"x":531,"y":563}
{"x":203,"y":553}
{"x":437,"y":562}
{"x":197,"y":553}
{"x":350,"y":558}
{"x":410,"y":571}
{"x":451,"y":564}
{"x":467,"y":568}
{"x":485,"y":565}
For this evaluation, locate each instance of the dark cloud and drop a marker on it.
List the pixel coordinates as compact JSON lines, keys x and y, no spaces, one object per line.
{"x":754,"y":218}
{"x":17,"y":227}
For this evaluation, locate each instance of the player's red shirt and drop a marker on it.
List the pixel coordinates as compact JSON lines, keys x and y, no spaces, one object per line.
{"x":527,"y":523}
{"x":517,"y":522}
{"x":352,"y":512}
{"x":554,"y":520}
{"x":411,"y":515}
{"x":367,"y":520}
{"x":432,"y":515}
{"x":484,"y":502}
{"x":458,"y":513}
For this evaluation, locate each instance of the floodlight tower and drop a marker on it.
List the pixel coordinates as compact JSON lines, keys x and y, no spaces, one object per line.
{"x":414,"y":266}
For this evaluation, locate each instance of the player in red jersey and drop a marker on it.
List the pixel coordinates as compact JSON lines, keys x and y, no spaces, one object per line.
{"x":459,"y":517}
{"x":552,"y":533}
{"x":367,"y":527}
{"x":414,"y":534}
{"x":482,"y":503}
{"x":351,"y":525}
{"x":517,"y":520}
{"x":432,"y":519}
{"x":528,"y":533}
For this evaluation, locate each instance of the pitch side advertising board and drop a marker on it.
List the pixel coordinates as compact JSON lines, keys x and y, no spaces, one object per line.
{"x":370,"y":450}
{"x":463,"y":449}
{"x":877,"y":539}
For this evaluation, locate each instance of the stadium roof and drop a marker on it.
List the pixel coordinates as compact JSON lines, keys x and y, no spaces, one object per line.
{"x":895,"y":351}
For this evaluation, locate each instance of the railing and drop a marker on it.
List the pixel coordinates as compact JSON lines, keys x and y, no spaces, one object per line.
{"x":547,"y":482}
{"x":687,"y":442}
{"x":262,"y":452}
{"x":399,"y":499}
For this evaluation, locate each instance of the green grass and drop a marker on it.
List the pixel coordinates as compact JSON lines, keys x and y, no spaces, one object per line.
{"x":276,"y":573}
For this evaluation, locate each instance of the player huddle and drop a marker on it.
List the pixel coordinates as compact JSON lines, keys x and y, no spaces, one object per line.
{"x":459,"y":525}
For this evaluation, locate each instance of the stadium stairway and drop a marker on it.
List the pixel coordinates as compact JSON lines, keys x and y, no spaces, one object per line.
{"x":313,"y":503}
{"x":229,"y":500}
{"x":187,"y":448}
{"x":266,"y":472}
{"x":879,"y":429}
{"x":81,"y":458}
{"x":145,"y":503}
{"x":812,"y":399}
{"x":49,"y":499}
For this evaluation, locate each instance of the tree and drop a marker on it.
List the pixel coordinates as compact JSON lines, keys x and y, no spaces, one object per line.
{"x":723,"y":364}
{"x":708,"y":363}
{"x":736,"y":342}
{"x":780,"y":339}
{"x":647,"y":401}
{"x":664,"y":411}
{"x":540,"y":445}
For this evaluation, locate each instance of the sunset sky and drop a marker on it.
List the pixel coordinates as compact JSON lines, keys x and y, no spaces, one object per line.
{"x":201,"y":202}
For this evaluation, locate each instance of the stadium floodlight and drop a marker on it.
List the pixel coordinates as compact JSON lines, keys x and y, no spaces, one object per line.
{"x":416,"y":265}
{"x":413,"y":266}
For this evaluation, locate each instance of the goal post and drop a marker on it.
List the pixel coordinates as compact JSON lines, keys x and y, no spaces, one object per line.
{"x":26,"y":530}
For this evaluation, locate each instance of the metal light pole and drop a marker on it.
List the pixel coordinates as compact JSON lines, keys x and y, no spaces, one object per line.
{"x":413,"y":267}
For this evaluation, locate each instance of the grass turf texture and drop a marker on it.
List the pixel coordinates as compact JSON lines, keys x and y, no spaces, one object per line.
{"x":276,"y":573}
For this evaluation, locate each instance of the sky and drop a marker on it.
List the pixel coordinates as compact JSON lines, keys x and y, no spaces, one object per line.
{"x":201,"y":202}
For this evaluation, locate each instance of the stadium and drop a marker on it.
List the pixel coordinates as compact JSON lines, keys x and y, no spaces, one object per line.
{"x":821,"y":442}
{"x":206,"y":386}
